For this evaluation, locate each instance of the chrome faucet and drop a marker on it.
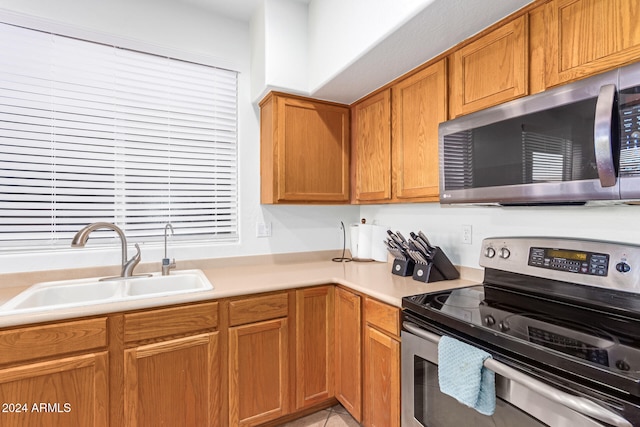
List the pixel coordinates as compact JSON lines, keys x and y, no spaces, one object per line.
{"x":167,"y":264}
{"x":81,"y":237}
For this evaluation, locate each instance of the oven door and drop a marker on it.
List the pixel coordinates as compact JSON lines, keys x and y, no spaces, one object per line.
{"x":522,"y":400}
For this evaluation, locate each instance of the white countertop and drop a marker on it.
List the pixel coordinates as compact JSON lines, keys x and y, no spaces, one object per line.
{"x":235,"y":277}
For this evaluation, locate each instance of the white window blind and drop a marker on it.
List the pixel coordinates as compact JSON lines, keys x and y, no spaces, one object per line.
{"x":90,"y":133}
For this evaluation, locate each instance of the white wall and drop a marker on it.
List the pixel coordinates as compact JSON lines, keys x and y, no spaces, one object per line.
{"x":279,"y":28}
{"x":192,"y":33}
{"x":342,"y":31}
{"x":443,"y":224}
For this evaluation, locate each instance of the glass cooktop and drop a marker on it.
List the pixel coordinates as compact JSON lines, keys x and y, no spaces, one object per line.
{"x":566,"y":335}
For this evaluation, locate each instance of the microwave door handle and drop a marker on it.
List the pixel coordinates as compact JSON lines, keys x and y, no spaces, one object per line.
{"x":578,"y":404}
{"x":602,"y":136}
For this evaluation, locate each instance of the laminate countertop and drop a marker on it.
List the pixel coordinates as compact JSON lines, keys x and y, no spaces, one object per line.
{"x":235,"y":277}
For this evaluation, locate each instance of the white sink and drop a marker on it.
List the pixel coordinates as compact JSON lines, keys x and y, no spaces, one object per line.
{"x":176,"y":283}
{"x":62,"y":293}
{"x":81,"y":292}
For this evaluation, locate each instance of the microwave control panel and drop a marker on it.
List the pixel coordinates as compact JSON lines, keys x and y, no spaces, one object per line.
{"x":582,"y":262}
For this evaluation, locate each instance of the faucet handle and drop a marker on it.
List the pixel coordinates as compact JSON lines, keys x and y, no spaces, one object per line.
{"x":127,"y":268}
{"x":167,"y":265}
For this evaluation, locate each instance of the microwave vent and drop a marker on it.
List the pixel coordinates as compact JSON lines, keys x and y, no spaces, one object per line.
{"x":458,"y":158}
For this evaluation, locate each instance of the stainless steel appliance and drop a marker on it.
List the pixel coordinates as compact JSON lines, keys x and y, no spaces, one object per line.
{"x":561,"y":319}
{"x":571,"y":144}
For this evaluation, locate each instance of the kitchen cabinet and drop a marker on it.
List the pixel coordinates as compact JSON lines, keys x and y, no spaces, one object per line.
{"x":55,"y":375}
{"x":419,"y":104}
{"x":348,"y":352}
{"x":258,"y":359}
{"x":170,"y":378}
{"x":174,"y":382}
{"x":382,"y":365}
{"x":304,"y":150}
{"x":587,"y":37}
{"x":241,"y":361}
{"x":490,"y":70}
{"x":371,"y":120}
{"x":399,"y":163}
{"x":314,"y":345}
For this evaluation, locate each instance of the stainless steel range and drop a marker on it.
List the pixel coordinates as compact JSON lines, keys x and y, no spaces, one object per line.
{"x":561,"y":319}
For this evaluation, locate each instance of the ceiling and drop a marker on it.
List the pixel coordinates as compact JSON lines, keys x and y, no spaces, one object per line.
{"x":439,"y":26}
{"x":236,"y":9}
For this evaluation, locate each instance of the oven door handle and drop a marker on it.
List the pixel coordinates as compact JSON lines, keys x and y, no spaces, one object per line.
{"x":578,"y":404}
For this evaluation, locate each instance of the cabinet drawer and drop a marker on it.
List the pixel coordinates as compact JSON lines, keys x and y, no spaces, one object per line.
{"x":259,"y":308}
{"x":382,"y":316}
{"x":17,"y":345}
{"x":170,"y":321}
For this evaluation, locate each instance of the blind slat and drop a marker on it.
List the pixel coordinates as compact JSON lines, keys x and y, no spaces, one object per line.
{"x":91,"y":133}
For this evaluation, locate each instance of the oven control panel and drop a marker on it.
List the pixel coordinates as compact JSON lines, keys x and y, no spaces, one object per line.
{"x":573,"y":261}
{"x":611,"y":265}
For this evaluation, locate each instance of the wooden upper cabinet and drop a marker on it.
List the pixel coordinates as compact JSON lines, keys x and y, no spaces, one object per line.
{"x":590,"y":36}
{"x":491,"y":70}
{"x":419,"y":104}
{"x":372,"y":147}
{"x":304,"y":150}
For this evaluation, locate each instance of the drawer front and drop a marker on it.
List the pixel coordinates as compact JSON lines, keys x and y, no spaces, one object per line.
{"x":382,"y":316}
{"x":170,"y":321}
{"x":256,"y":309}
{"x":29,"y":343}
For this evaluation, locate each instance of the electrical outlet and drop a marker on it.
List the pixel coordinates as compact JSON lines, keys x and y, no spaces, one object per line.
{"x":466,"y":234}
{"x":263,"y":229}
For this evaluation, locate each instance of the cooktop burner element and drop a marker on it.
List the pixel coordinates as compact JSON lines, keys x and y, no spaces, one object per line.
{"x":567,"y":305}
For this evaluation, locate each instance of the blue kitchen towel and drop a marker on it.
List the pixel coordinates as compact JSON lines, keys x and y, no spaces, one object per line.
{"x":462,"y":375}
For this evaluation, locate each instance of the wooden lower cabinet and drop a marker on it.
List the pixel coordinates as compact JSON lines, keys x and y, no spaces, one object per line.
{"x":314,"y":345}
{"x":381,"y":380}
{"x":258,"y":372}
{"x":243,"y":361}
{"x":173,"y":383}
{"x":381,"y":364}
{"x":71,"y":391}
{"x":348,"y":352}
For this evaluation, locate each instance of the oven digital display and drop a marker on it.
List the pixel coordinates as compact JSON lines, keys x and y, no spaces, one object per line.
{"x":557,"y":253}
{"x":569,"y":260}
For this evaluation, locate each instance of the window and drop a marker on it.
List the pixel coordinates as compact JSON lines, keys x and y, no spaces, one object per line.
{"x":90,"y":132}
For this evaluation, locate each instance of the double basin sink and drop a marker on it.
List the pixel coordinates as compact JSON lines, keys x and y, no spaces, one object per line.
{"x":81,"y":292}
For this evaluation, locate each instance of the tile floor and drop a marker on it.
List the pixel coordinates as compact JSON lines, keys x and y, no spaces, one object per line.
{"x":335,"y":416}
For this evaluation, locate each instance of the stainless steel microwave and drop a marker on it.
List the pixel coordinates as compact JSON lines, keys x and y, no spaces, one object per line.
{"x":572,"y":144}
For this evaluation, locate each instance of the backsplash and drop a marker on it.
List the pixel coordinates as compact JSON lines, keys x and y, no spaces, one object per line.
{"x":444,"y":224}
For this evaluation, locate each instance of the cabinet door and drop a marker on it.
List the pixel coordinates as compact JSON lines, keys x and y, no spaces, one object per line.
{"x":348,"y":357}
{"x":382,"y":380}
{"x":419,"y":105}
{"x":590,"y":36}
{"x":63,"y":392}
{"x":304,"y":147}
{"x":491,"y":70}
{"x":314,"y":345}
{"x":173,"y":383}
{"x":372,"y":148}
{"x":258,"y":367}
